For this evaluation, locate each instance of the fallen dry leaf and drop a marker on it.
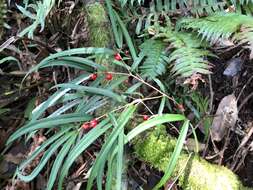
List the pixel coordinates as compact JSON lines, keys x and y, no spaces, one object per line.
{"x":225,"y":117}
{"x":194,"y":80}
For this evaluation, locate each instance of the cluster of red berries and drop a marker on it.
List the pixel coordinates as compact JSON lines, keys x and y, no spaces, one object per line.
{"x":108,"y":76}
{"x":88,"y":125}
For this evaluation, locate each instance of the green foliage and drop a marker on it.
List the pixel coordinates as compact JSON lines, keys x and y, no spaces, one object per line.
{"x":186,"y":52}
{"x":155,"y":59}
{"x":199,"y":106}
{"x":165,"y":48}
{"x":175,"y":155}
{"x":124,"y":2}
{"x":74,"y":103}
{"x":194,"y":6}
{"x":109,"y":148}
{"x":37,"y":13}
{"x":3,"y":111}
{"x":233,"y":26}
{"x":219,"y":26}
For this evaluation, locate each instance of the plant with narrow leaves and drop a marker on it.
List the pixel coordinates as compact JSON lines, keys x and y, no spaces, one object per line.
{"x":75,"y":103}
{"x":39,"y":12}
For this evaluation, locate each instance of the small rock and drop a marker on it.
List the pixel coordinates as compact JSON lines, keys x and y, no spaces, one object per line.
{"x":234,"y":66}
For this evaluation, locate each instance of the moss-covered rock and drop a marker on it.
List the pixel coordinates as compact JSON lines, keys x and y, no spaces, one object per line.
{"x":198,"y":174}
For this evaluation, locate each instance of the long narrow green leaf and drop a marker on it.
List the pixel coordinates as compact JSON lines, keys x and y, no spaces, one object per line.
{"x":113,"y":22}
{"x":42,"y":147}
{"x":84,"y":61}
{"x":59,"y":160}
{"x":103,"y":155}
{"x":84,"y":143}
{"x":44,"y":159}
{"x":38,"y":111}
{"x":127,"y":36}
{"x":120,"y":159}
{"x":157,"y":120}
{"x":48,"y":123}
{"x":174,"y":156}
{"x":93,"y":90}
{"x":64,"y":63}
{"x":137,"y":62}
{"x":76,"y":51}
{"x":110,"y":171}
{"x":162,"y":104}
{"x":64,"y":108}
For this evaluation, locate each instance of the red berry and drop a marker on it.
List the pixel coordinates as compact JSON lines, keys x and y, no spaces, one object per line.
{"x":93,"y":76}
{"x":117,"y":57}
{"x":145,"y":117}
{"x":181,"y":107}
{"x":93,"y":123}
{"x":108,"y":76}
{"x":86,"y":126}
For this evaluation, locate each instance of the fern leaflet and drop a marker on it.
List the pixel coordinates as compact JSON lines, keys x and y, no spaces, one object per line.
{"x":155,"y":59}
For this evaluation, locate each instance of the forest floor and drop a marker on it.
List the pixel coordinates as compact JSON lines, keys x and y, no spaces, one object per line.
{"x":235,"y":150}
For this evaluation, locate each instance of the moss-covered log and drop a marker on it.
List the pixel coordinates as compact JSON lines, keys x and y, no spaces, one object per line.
{"x":156,"y":149}
{"x":99,"y":30}
{"x":98,"y":22}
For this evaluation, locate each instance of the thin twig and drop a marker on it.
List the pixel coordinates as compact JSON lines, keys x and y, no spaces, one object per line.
{"x":245,"y":101}
{"x":211,"y":94}
{"x":137,"y":101}
{"x":243,"y":88}
{"x":225,"y":147}
{"x":146,"y":83}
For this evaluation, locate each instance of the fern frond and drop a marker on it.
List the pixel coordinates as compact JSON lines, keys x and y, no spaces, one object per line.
{"x":184,"y":6}
{"x":241,"y":2}
{"x":124,"y":2}
{"x":245,"y":6}
{"x":186,"y":54}
{"x":162,"y":9}
{"x":188,"y":60}
{"x":155,"y":59}
{"x":206,"y":7}
{"x":222,"y":27}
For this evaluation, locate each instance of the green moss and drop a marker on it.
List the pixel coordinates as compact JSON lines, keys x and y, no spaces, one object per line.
{"x":98,"y":22}
{"x":99,"y":31}
{"x":156,"y":149}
